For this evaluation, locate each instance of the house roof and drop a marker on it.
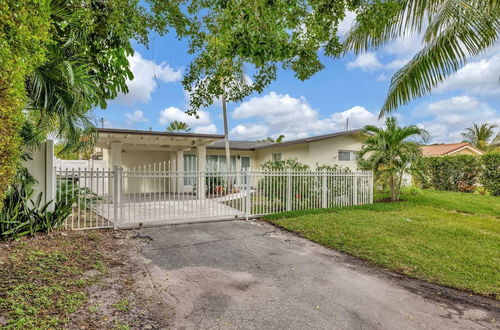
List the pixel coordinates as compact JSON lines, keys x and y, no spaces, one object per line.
{"x":156,"y":133}
{"x":212,"y":141}
{"x":447,"y":149}
{"x":239,"y":145}
{"x":154,"y":140}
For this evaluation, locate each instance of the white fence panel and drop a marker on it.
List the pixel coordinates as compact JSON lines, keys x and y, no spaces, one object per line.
{"x":159,"y":194}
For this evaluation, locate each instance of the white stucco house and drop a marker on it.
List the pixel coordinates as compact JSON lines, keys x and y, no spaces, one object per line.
{"x":187,"y":152}
{"x":205,"y":152}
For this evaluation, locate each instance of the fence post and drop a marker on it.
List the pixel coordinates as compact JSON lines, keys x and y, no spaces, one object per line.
{"x":117,"y":191}
{"x":324,"y":190}
{"x":371,"y":187}
{"x":355,"y":188}
{"x":289,"y":190}
{"x":248,"y":206}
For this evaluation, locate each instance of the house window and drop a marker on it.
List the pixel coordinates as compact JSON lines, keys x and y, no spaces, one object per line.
{"x":216,"y":163}
{"x":347,"y":155}
{"x":190,"y":165}
{"x":277,"y":157}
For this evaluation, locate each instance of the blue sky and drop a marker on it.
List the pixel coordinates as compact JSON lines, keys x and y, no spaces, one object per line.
{"x":350,"y":88}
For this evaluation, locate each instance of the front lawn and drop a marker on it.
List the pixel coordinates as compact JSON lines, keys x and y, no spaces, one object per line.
{"x":447,"y":238}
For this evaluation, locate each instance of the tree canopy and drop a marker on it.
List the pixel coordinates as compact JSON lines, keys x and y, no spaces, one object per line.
{"x":60,"y":59}
{"x":231,"y":39}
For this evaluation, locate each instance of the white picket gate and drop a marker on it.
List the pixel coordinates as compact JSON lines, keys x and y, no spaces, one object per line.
{"x":156,"y":195}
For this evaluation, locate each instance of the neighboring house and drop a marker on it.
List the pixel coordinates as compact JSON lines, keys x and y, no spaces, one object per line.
{"x":450,"y":149}
{"x":189,"y":151}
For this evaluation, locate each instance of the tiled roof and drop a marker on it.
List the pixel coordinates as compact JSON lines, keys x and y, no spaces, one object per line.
{"x":445,"y":149}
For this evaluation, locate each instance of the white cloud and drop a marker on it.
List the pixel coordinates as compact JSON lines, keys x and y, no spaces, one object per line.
{"x":480,"y":77}
{"x":171,"y":114}
{"x":146,"y":73}
{"x":209,"y":129}
{"x":404,"y":47}
{"x":366,"y":62}
{"x":137,"y":116}
{"x":381,"y":77}
{"x":249,"y":132}
{"x":449,"y":117}
{"x":346,"y":24}
{"x":203,"y":124}
{"x":277,"y":114}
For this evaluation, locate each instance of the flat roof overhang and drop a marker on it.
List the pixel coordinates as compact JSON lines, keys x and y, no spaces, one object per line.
{"x":153,"y":140}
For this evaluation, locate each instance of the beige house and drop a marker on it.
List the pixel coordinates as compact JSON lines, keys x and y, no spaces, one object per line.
{"x":132,"y":148}
{"x":187,"y":152}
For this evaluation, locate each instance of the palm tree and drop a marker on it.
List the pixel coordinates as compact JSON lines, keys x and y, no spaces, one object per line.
{"x":479,"y":136}
{"x":279,"y":139}
{"x":390,"y":151}
{"x":178,"y":126}
{"x":453,"y":31}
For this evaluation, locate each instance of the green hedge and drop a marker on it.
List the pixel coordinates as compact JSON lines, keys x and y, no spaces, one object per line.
{"x":460,"y":173}
{"x":490,"y":176}
{"x":454,"y":173}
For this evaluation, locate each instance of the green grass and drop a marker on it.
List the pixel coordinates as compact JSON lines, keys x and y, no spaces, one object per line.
{"x":447,"y":238}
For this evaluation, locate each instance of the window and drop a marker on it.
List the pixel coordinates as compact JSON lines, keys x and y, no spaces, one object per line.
{"x":347,"y":155}
{"x":277,"y":157}
{"x":216,"y":163}
{"x":190,"y":164}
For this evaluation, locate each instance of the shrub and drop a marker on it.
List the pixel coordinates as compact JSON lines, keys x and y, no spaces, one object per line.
{"x":23,"y":214}
{"x":490,"y":177}
{"x":455,"y":173}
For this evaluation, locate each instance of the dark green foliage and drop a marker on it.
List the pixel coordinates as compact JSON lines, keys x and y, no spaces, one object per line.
{"x":24,"y":214}
{"x":453,"y":173}
{"x":490,"y":177}
{"x":306,"y":185}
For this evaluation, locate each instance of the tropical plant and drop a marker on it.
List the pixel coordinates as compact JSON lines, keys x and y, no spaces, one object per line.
{"x":279,"y":139}
{"x":86,"y":66}
{"x":479,"y":135}
{"x":60,"y":59}
{"x":390,"y":153}
{"x":23,"y":212}
{"x":453,"y":31}
{"x":178,"y":126}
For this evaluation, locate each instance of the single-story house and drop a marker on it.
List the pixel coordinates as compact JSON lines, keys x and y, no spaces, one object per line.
{"x":450,"y":149}
{"x":205,"y":152}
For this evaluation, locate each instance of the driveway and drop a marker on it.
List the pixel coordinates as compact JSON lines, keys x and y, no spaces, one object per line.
{"x":251,"y":275}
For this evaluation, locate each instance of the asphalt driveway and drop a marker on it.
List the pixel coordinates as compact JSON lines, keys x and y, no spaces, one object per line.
{"x":251,"y":275}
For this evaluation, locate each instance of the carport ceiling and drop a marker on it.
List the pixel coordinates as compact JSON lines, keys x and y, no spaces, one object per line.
{"x":153,"y":140}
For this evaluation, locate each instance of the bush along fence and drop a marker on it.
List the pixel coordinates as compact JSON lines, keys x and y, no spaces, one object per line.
{"x":460,"y":173}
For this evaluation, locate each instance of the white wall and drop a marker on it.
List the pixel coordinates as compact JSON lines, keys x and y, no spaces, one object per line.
{"x":41,"y":167}
{"x":323,"y":152}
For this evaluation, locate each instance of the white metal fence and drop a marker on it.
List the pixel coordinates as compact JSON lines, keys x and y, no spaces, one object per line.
{"x":156,"y":195}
